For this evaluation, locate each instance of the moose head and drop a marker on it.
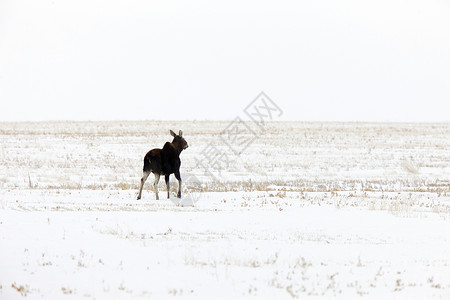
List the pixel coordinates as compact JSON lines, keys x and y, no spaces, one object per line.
{"x":178,"y":141}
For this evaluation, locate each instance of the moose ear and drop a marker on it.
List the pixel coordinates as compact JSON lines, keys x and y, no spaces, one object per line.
{"x":180,"y":133}
{"x":173,"y":133}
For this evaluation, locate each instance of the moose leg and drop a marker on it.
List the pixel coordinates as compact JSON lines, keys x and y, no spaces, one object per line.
{"x":143,"y":179}
{"x":168,"y":186}
{"x":178,"y":177}
{"x":155,"y":185}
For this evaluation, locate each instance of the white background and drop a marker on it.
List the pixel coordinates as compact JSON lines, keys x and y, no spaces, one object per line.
{"x":318,"y":60}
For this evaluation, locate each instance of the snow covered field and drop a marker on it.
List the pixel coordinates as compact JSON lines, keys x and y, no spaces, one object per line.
{"x":346,"y":210}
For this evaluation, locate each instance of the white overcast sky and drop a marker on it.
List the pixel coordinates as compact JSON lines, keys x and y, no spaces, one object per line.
{"x":318,"y":60}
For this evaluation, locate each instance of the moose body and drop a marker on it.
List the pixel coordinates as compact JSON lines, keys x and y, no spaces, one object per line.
{"x":164,"y":162}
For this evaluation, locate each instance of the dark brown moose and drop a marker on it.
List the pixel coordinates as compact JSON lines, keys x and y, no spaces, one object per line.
{"x":164,"y":161}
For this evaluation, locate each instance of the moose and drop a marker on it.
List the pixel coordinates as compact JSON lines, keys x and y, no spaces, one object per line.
{"x":164,"y":161}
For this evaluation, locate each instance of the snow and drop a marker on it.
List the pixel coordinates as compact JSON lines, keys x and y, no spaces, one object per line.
{"x":295,"y":215}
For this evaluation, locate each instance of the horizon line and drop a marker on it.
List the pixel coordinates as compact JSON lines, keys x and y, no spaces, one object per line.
{"x":221,"y":120}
